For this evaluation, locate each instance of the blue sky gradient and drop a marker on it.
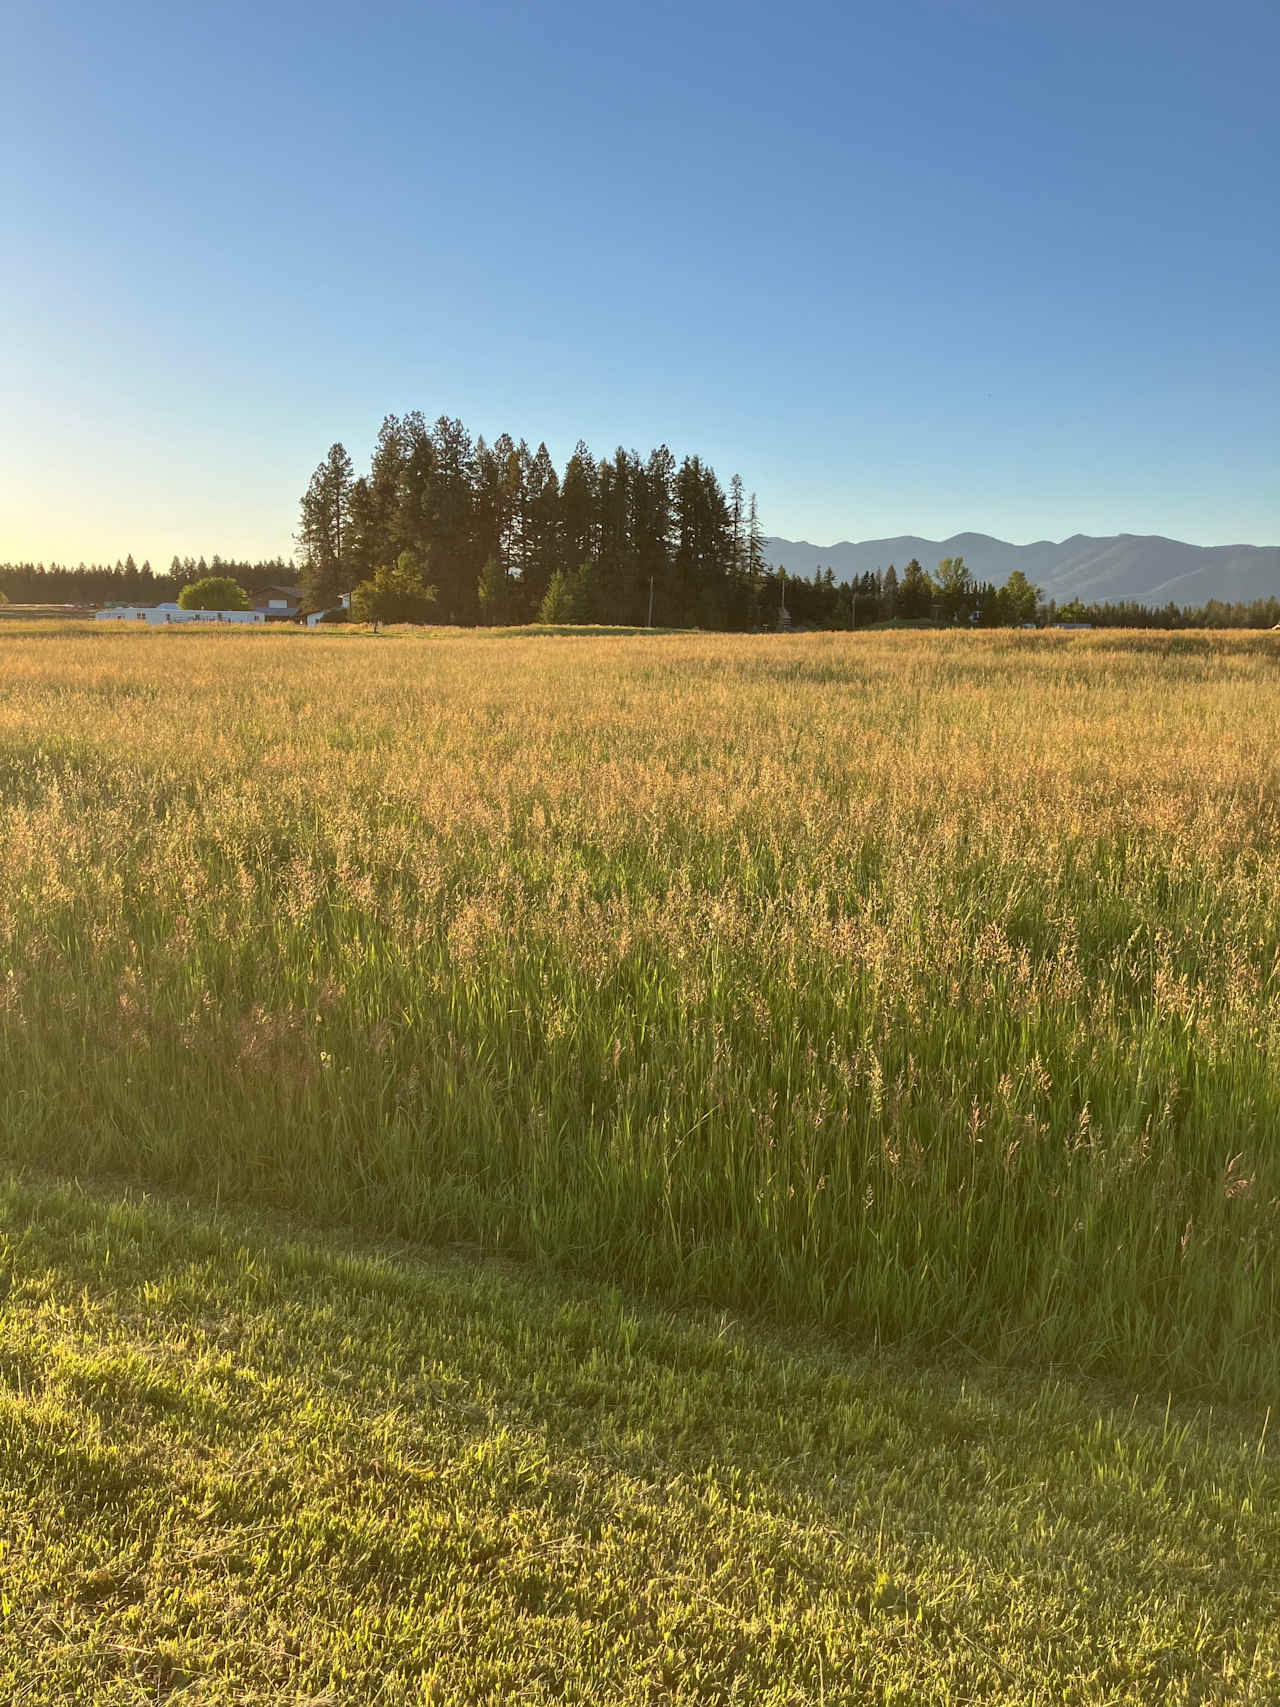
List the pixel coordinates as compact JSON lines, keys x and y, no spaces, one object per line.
{"x":919,"y":268}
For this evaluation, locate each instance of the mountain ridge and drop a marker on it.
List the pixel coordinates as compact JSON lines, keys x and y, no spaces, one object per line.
{"x":1147,"y":568}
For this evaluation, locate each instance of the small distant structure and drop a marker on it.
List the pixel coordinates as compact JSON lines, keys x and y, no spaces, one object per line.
{"x":1071,"y":627}
{"x":279,"y":604}
{"x":173,"y":612}
{"x":317,"y":616}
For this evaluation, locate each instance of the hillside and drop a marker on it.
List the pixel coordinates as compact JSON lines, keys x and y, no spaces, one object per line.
{"x":1145,"y":567}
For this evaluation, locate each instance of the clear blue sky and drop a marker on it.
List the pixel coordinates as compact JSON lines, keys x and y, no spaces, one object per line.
{"x":909,"y":268}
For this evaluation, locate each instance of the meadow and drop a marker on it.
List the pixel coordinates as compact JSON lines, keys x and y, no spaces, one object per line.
{"x":917,"y":987}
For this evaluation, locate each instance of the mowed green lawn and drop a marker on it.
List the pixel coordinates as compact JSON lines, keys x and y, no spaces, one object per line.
{"x":240,"y":1466}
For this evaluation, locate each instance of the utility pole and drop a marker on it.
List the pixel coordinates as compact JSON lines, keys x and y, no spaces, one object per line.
{"x":651,"y":601}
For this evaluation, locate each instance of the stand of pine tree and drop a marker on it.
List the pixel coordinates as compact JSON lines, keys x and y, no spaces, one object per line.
{"x":625,"y":538}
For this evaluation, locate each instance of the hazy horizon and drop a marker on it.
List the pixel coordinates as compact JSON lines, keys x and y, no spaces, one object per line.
{"x":161,"y":564}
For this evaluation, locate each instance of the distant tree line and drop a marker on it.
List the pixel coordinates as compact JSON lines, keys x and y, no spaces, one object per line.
{"x":953,"y":595}
{"x":949,"y":595}
{"x":1126,"y":613}
{"x":127,"y":583}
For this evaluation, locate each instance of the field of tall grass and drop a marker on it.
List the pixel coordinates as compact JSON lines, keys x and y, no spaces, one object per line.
{"x":922,"y":985}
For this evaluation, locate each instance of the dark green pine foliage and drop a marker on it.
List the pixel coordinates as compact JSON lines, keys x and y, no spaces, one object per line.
{"x":704,"y":545}
{"x":498,"y":504}
{"x":889,"y":594}
{"x":378,"y":510}
{"x":541,"y":553}
{"x":414,"y":470}
{"x":616,"y":585}
{"x":459,"y":553}
{"x":915,"y":592}
{"x":579,"y":508}
{"x":654,"y":518}
{"x":322,"y":532}
{"x":737,"y":525}
{"x":488,"y":503}
{"x":757,"y":567}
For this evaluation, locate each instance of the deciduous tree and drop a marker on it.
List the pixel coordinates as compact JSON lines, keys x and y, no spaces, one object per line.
{"x":955,"y":590}
{"x":213,"y":592}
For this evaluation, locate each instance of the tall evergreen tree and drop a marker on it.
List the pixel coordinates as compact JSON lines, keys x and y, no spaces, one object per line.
{"x":486,"y":511}
{"x":616,"y":585}
{"x":409,"y":477}
{"x":889,"y":594}
{"x":457,"y":556}
{"x":755,"y":540}
{"x":579,"y":495}
{"x":322,"y":531}
{"x":497,"y":504}
{"x":377,"y":533}
{"x":364,"y":548}
{"x":654,"y":514}
{"x":703,"y":546}
{"x":915,"y":592}
{"x":737,"y":523}
{"x":541,"y":556}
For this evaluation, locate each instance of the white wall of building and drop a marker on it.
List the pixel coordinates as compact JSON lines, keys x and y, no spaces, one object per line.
{"x":175,"y":613}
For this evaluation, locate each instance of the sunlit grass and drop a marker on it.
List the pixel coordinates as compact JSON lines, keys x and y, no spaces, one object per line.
{"x":924,"y":985}
{"x":239,"y":1467}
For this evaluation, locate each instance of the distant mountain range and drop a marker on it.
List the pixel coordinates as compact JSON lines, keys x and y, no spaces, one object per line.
{"x":1144,"y":567}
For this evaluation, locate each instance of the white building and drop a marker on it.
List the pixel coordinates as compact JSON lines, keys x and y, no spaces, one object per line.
{"x":173,"y":612}
{"x":279,"y":603}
